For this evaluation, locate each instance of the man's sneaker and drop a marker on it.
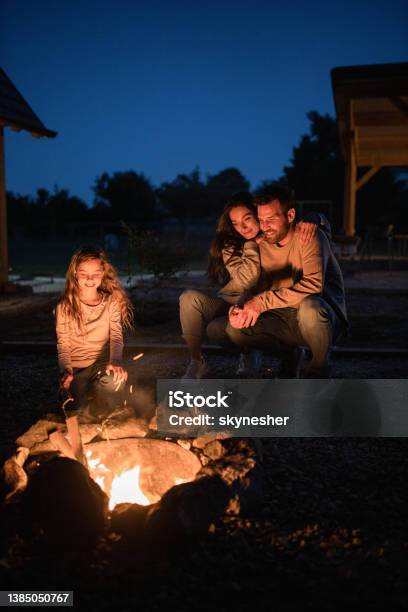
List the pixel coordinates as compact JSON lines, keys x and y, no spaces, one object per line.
{"x":256,"y":360}
{"x":249,"y":363}
{"x":244,"y":364}
{"x":196,"y":369}
{"x":292,"y":363}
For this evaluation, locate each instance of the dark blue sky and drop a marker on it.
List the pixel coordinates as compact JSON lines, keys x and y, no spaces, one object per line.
{"x":160,"y":87}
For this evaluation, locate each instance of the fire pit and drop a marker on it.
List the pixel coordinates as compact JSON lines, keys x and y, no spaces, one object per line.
{"x":136,"y":486}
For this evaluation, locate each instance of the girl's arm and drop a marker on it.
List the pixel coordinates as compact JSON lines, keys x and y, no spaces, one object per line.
{"x":243,"y":267}
{"x":116,"y":344}
{"x":63,"y":340}
{"x":115,"y":334}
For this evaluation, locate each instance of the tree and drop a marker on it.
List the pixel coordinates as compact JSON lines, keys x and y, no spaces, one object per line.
{"x":64,"y":208}
{"x":46,"y":214}
{"x":317,"y":168}
{"x":185,"y":197}
{"x":222,"y":186}
{"x":129,"y":195}
{"x":19,"y":212}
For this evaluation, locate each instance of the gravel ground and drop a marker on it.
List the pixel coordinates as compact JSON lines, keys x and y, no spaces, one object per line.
{"x":332,"y":531}
{"x":375,"y":319}
{"x":29,"y":380}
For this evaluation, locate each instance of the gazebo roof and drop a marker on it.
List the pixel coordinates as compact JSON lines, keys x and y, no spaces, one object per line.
{"x":16,"y":113}
{"x":372,"y":111}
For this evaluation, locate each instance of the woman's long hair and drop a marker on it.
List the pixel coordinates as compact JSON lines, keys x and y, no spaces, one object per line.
{"x":110,"y":285}
{"x":225,"y":236}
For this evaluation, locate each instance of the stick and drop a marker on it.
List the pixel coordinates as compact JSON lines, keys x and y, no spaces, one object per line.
{"x":60,"y":443}
{"x":73,"y":429}
{"x":76,"y":440}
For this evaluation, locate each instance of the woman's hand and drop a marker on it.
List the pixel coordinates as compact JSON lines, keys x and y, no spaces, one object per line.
{"x":66,"y":379}
{"x":306,"y":231}
{"x":119,"y":374}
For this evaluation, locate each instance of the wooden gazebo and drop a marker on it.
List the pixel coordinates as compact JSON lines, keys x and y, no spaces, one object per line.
{"x":372,"y":114}
{"x":16,"y":114}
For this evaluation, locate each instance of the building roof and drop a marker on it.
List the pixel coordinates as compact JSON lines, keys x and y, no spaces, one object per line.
{"x":16,"y":113}
{"x":372,"y":110}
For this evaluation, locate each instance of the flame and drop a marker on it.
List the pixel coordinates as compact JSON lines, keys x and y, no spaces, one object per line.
{"x":125,"y":487}
{"x":179,"y":481}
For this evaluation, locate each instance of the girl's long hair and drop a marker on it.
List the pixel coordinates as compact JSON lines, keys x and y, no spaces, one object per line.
{"x":225,"y":236}
{"x":110,"y":285}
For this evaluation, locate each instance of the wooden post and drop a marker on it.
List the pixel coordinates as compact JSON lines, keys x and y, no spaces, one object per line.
{"x":350,"y":176}
{"x":366,"y":177}
{"x":3,"y":217}
{"x":350,"y":198}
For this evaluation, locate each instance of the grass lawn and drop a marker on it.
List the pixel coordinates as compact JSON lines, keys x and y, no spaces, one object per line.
{"x":51,"y":258}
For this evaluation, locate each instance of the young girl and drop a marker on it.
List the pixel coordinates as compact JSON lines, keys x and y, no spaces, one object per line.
{"x":89,"y":320}
{"x":234,"y":260}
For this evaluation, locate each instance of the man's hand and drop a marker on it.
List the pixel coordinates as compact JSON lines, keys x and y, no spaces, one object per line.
{"x":119,"y":374}
{"x":306,"y":231}
{"x":66,"y":379}
{"x":246,"y":316}
{"x":235,"y":317}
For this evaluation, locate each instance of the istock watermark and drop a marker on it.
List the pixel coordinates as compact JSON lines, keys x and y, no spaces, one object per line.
{"x":180,"y":399}
{"x":290,"y":408}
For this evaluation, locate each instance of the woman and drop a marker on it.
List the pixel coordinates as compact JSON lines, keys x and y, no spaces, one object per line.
{"x":234,"y":260}
{"x":89,"y":320}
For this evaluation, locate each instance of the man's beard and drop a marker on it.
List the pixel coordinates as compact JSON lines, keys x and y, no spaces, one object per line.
{"x":277,"y":236}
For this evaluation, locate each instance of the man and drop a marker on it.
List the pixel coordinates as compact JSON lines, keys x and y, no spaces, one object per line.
{"x":300,"y":296}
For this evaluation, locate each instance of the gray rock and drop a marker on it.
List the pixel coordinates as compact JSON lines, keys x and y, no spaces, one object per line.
{"x":187,"y":510}
{"x":184,"y":443}
{"x":214,"y":450}
{"x":115,"y":430}
{"x":37,"y":437}
{"x":65,"y":504}
{"x":13,"y":477}
{"x":241,"y":469}
{"x":39,"y":432}
{"x":202,"y":441}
